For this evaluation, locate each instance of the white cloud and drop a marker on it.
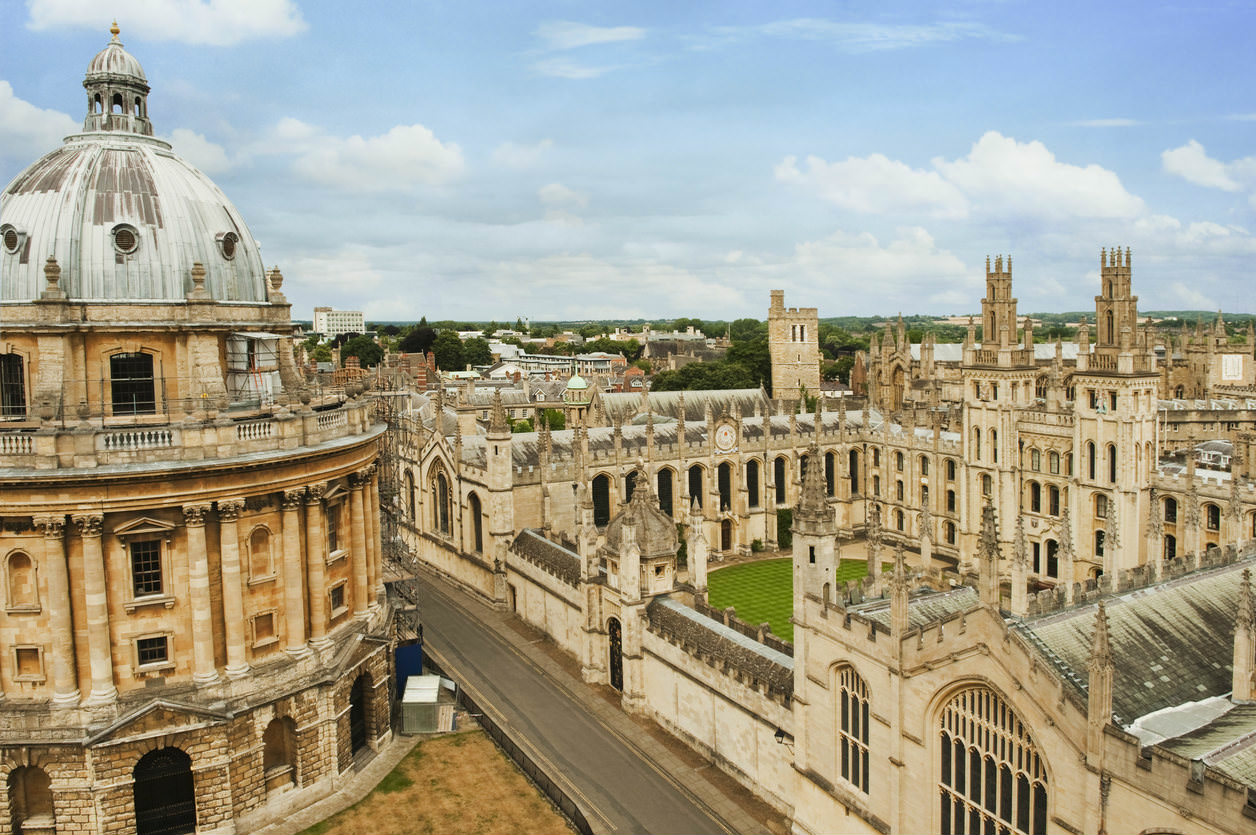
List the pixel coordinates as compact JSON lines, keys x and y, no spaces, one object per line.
{"x":876,"y":184}
{"x":1190,"y":298}
{"x":557,"y":194}
{"x":562,"y":68}
{"x":209,"y":157}
{"x":911,"y":262}
{"x":1003,"y":176}
{"x":404,"y":157}
{"x":1192,"y":163}
{"x":214,"y":22}
{"x":1106,"y":123}
{"x":855,"y":37}
{"x":512,"y":155}
{"x":27,"y":131}
{"x":564,"y":34}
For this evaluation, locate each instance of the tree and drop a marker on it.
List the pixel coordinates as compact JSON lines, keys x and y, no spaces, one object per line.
{"x":419,"y":339}
{"x":476,"y":351}
{"x":491,"y":329}
{"x":519,"y":327}
{"x":320,"y":353}
{"x":644,"y":365}
{"x":755,"y":358}
{"x":521,"y":425}
{"x":556,"y":418}
{"x":449,"y":352}
{"x":364,"y":348}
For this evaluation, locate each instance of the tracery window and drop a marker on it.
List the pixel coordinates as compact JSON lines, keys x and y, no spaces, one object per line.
{"x":852,"y":736}
{"x":992,"y":778}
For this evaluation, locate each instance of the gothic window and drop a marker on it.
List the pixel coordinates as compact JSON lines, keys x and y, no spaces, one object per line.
{"x":695,"y":484}
{"x":1090,"y":459}
{"x":1170,"y":546}
{"x":410,"y":496}
{"x":987,"y":486}
{"x":876,"y":485}
{"x":20,"y":575}
{"x":852,"y":736}
{"x":976,"y":447}
{"x":145,"y":567}
{"x":898,"y":520}
{"x":1068,"y":463}
{"x":950,"y":469}
{"x":665,"y":490}
{"x":1053,"y":500}
{"x":1035,"y":460}
{"x":12,"y":387}
{"x":994,"y":445}
{"x":1111,"y":464}
{"x":440,"y":504}
{"x":898,"y":461}
{"x":853,"y":463}
{"x":876,"y":456}
{"x":477,"y":522}
{"x":260,"y":561}
{"x":1099,"y":537}
{"x":992,"y":778}
{"x":948,"y":531}
{"x":602,"y":499}
{"x":924,"y":495}
{"x":898,"y":489}
{"x":1213,"y":516}
{"x":752,"y":483}
{"x":779,"y":473}
{"x":132,"y":390}
{"x":950,"y":501}
{"x":830,"y":473}
{"x":1053,"y":558}
{"x":1101,"y":506}
{"x":1037,"y":548}
{"x":1053,"y":463}
{"x":1035,"y":497}
{"x":724,"y":481}
{"x":924,"y":465}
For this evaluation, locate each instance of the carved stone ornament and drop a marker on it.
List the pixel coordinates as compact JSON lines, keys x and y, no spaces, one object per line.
{"x":90,"y":525}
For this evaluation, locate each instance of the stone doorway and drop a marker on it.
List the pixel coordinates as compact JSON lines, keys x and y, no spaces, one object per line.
{"x":615,"y":632}
{"x":165,"y":798}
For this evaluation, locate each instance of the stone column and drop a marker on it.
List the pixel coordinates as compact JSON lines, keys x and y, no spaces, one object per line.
{"x":95,"y":592}
{"x":232,"y":590}
{"x":204,"y":671}
{"x":373,"y":544}
{"x":65,"y":687}
{"x":316,"y":565}
{"x":293,"y":591}
{"x":357,"y":523}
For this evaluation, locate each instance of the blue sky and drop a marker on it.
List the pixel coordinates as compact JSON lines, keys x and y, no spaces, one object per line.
{"x":594,"y":160}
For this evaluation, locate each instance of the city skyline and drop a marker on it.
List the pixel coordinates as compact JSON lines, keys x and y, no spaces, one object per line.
{"x":569,"y":162}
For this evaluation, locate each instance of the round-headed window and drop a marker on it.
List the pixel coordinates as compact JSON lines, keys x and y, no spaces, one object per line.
{"x":227,"y":243}
{"x":10,"y":238}
{"x":125,"y":239}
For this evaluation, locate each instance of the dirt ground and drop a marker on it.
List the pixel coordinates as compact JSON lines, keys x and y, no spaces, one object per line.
{"x":458,"y":784}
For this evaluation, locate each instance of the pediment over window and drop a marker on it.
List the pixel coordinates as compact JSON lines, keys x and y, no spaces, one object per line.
{"x":143,"y":526}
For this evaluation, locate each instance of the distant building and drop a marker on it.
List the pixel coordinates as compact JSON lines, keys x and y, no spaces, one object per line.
{"x":329,"y":322}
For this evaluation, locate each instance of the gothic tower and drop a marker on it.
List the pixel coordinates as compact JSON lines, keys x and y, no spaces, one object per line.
{"x":794,"y":346}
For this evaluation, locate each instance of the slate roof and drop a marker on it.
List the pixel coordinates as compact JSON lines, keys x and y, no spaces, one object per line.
{"x":563,"y":563}
{"x":923,"y":608}
{"x":1171,"y":643}
{"x":624,"y":406}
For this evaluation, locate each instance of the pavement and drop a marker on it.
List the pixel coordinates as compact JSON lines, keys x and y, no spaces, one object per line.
{"x":626,"y":774}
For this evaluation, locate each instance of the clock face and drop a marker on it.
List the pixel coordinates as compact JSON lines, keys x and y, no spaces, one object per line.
{"x":725,"y":438}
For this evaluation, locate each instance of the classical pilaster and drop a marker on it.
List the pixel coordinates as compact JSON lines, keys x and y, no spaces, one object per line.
{"x":293,"y":576}
{"x":65,"y":687}
{"x":316,"y":564}
{"x":232,"y":589}
{"x":204,"y":671}
{"x":95,"y":593}
{"x":357,"y":522}
{"x":373,"y":545}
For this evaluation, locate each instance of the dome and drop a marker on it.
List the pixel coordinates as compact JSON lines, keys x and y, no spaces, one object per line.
{"x":123,"y":215}
{"x":655,"y":530}
{"x":576,"y":382}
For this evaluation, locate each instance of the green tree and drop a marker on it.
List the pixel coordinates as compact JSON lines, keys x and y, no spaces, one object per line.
{"x":521,"y":425}
{"x":419,"y":339}
{"x":320,"y":353}
{"x":519,"y":325}
{"x":555,"y":418}
{"x":753,"y":356}
{"x":476,"y":351}
{"x":644,"y":365}
{"x":364,"y":348}
{"x":449,"y":352}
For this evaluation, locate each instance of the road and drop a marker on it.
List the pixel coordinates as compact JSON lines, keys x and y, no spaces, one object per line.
{"x":617,"y":786}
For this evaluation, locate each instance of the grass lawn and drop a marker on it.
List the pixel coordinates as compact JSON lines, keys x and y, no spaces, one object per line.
{"x":458,"y":784}
{"x":764,"y":591}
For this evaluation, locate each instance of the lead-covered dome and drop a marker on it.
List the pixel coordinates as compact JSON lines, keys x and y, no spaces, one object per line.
{"x":124,"y":216}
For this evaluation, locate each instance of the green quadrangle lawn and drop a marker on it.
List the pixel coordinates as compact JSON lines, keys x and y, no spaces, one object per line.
{"x":764,"y":591}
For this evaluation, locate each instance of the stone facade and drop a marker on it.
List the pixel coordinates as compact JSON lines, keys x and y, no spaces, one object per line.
{"x":794,"y":345}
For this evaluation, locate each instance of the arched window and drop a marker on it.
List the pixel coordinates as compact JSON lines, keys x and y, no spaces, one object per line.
{"x":898,"y":520}
{"x":950,"y":469}
{"x":994,"y":445}
{"x":1212,"y":514}
{"x":279,"y":753}
{"x":1109,"y":328}
{"x":1053,"y":463}
{"x":924,"y":465}
{"x":898,"y":461}
{"x":1099,"y":537}
{"x":664,"y":480}
{"x":950,"y":501}
{"x":30,"y":799}
{"x":1170,"y":546}
{"x":441,"y":511}
{"x":601,"y":499}
{"x":752,"y":482}
{"x":261,"y":563}
{"x":20,"y":577}
{"x":852,"y":727}
{"x":976,"y":444}
{"x":898,"y":490}
{"x":830,"y":473}
{"x":987,"y":486}
{"x":1053,"y":500}
{"x":1111,"y":463}
{"x":1035,"y":497}
{"x":1053,"y":558}
{"x":948,"y":531}
{"x":476,"y":510}
{"x":1101,"y":506}
{"x":779,"y":466}
{"x":115,"y":105}
{"x":131,"y":387}
{"x":724,"y":483}
{"x":1035,"y":460}
{"x":876,"y":485}
{"x":412,"y":516}
{"x":1090,"y":459}
{"x":12,"y":387}
{"x":695,"y":484}
{"x":876,"y":456}
{"x":853,"y":462}
{"x":992,"y":778}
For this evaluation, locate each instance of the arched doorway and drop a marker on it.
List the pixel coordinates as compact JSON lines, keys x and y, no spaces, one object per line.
{"x":726,"y":535}
{"x":616,"y":662}
{"x":358,"y":696}
{"x":165,"y":798}
{"x":30,"y":800}
{"x":279,"y":753}
{"x":601,"y":500}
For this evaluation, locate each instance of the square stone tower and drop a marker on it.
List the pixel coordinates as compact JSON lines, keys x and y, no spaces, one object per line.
{"x":794,"y":345}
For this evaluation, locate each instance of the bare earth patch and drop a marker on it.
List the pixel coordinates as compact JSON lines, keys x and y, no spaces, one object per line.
{"x":459,"y":784}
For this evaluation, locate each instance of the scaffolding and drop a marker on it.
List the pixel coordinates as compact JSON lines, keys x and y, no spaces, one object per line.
{"x":404,"y":432}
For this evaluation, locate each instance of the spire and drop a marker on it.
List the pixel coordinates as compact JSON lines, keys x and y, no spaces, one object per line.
{"x":1020,"y":570}
{"x":498,"y":423}
{"x":813,"y":514}
{"x":988,"y":551}
{"x":874,"y":539}
{"x":1099,"y":688}
{"x":1244,"y":644}
{"x":900,"y":612}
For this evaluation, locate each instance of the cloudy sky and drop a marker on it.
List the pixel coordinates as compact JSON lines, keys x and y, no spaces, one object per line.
{"x":560,"y":160}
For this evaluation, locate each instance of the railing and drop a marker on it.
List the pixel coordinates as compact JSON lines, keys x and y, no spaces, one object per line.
{"x":136,"y":439}
{"x":254,"y":430}
{"x":332,"y":420}
{"x":17,"y":444}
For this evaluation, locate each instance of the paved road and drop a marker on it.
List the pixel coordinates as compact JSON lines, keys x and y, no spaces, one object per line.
{"x":617,"y":786}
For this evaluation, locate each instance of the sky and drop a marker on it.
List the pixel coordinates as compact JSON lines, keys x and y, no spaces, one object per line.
{"x":585,"y":160}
